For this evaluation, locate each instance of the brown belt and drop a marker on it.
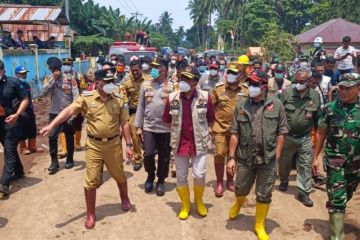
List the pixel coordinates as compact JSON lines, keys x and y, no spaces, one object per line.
{"x":102,"y":139}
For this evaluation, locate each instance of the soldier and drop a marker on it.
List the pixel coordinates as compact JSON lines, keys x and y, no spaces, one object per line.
{"x":132,"y":88}
{"x":258,"y":131}
{"x":28,"y":121}
{"x":191,"y":115}
{"x":150,"y":126}
{"x":104,"y":112}
{"x":10,"y":92}
{"x":302,"y":105}
{"x":278,"y":83}
{"x":64,"y":90}
{"x":339,"y":125}
{"x":224,"y":97}
{"x":208,"y":81}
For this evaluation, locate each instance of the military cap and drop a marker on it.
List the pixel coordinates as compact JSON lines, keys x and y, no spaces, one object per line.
{"x":67,"y":61}
{"x":54,"y":62}
{"x":20,"y":69}
{"x":258,"y":77}
{"x":280,"y":67}
{"x":234,"y":67}
{"x":158,"y":61}
{"x":146,"y":59}
{"x":106,"y":75}
{"x":349,"y":79}
{"x":191,"y":73}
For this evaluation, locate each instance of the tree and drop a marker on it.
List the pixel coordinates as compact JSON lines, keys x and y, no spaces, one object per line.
{"x":276,"y":41}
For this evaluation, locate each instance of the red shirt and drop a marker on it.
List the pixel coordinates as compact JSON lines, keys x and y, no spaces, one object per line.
{"x":187,"y":140}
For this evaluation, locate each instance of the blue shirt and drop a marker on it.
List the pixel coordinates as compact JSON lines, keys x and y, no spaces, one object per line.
{"x":334,"y":75}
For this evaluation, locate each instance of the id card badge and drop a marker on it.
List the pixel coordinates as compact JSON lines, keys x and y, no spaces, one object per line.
{"x":2,"y":112}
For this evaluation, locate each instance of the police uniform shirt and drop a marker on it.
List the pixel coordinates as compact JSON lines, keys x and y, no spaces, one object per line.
{"x":103,"y":118}
{"x":10,"y":91}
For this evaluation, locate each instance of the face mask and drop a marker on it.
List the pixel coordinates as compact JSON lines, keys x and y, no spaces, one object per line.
{"x":213,"y":72}
{"x":231,"y":78}
{"x":300,"y":86}
{"x":279,"y":76}
{"x":22,"y":79}
{"x":108,"y":88}
{"x":202,"y":69}
{"x":145,"y":66}
{"x":303,"y":64}
{"x":66,"y":68}
{"x":114,"y":62}
{"x":155,"y":73}
{"x":254,"y":91}
{"x":120,"y":69}
{"x":173,"y":62}
{"x":184,"y":86}
{"x":317,"y":44}
{"x":222,"y":68}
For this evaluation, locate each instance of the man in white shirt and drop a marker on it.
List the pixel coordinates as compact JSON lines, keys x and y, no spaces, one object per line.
{"x":345,"y":56}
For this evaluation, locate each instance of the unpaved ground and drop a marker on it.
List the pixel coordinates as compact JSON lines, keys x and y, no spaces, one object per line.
{"x":46,"y":206}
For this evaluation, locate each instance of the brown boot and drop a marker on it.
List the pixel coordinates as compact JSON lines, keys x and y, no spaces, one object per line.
{"x":33,"y":148}
{"x":230,"y":182}
{"x":77,"y":140}
{"x":219,"y":187}
{"x":23,"y":148}
{"x":90,"y":198}
{"x":125,"y":202}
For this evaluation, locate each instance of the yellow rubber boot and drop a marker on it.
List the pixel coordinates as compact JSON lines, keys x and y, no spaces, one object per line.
{"x":198,"y":194}
{"x":77,"y":140}
{"x":184,"y":194}
{"x":260,"y":216}
{"x":62,"y":141}
{"x":235,"y":208}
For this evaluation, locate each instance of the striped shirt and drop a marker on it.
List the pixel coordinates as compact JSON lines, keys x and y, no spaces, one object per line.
{"x":346,"y":63}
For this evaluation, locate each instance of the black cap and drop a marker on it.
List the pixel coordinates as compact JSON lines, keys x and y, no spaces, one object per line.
{"x":106,"y":75}
{"x":67,"y":61}
{"x":280,"y":67}
{"x":191,"y":73}
{"x":159,"y":61}
{"x":146,"y":59}
{"x":54,"y":62}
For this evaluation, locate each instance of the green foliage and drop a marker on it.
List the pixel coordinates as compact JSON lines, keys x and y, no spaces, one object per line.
{"x":91,"y":44}
{"x":276,"y":41}
{"x":158,"y":40}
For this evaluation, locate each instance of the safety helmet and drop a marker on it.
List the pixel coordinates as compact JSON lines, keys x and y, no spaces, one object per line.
{"x":318,"y":39}
{"x":243,"y":59}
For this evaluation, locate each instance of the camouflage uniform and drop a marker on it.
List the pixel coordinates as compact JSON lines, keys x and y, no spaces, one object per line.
{"x":342,"y":152}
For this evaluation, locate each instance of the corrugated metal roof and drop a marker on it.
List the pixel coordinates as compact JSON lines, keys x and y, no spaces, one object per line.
{"x":332,"y":31}
{"x":30,"y":14}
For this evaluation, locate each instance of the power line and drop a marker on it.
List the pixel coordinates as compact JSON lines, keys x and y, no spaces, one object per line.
{"x":133,"y":4}
{"x":127,"y":4}
{"x":124,"y":7}
{"x":136,"y":14}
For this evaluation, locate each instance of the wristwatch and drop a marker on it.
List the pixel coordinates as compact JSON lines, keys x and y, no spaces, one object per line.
{"x":230,"y":158}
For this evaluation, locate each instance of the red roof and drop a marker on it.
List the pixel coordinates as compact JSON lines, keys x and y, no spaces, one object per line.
{"x":332,"y":31}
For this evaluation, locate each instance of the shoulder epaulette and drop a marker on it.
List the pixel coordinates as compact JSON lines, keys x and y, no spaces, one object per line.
{"x":219,"y":84}
{"x":118,"y":95}
{"x":87,"y":93}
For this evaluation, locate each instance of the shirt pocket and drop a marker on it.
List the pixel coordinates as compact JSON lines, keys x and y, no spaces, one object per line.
{"x":244,"y":125}
{"x":243,"y":148}
{"x":223,"y":102}
{"x":309,"y":112}
{"x":202,"y":114}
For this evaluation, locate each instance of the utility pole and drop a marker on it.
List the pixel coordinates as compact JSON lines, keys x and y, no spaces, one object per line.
{"x":68,"y":30}
{"x":136,"y":14}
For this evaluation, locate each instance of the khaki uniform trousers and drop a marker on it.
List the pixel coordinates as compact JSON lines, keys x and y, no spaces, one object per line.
{"x":221,"y":141}
{"x":138,"y":157}
{"x":98,"y":153}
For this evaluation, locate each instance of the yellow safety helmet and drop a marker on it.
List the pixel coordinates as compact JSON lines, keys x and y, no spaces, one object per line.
{"x":243,"y":59}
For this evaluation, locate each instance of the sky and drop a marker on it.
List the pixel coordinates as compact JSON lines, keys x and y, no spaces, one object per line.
{"x":152,"y":9}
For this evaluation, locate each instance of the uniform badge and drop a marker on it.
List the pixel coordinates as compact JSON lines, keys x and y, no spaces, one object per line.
{"x":242,"y":113}
{"x":201,"y":101}
{"x":311,"y":103}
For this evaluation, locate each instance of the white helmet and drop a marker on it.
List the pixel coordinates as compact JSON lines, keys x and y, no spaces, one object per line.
{"x":318,"y":39}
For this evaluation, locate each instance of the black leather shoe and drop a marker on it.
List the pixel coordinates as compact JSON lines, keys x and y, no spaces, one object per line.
{"x":304,"y":199}
{"x":17,"y":176}
{"x":69,"y":164}
{"x":283,"y":186}
{"x":160,"y":189}
{"x":54,"y":167}
{"x":319,"y":179}
{"x":137,"y":167}
{"x":5,"y":189}
{"x":149,"y":186}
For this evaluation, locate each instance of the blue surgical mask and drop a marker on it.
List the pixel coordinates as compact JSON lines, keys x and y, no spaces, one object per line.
{"x":155,"y":73}
{"x":317,"y":44}
{"x":222,"y":68}
{"x":202,"y":69}
{"x":66,"y":68}
{"x":279,"y":76}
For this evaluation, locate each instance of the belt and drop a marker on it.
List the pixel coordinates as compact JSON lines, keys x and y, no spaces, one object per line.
{"x":299,"y":135}
{"x":132,"y":110}
{"x":102,"y":139}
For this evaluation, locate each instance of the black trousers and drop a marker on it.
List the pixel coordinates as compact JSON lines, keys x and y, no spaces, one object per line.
{"x":28,"y":125}
{"x":53,"y":140}
{"x":157,"y":143}
{"x":9,"y":138}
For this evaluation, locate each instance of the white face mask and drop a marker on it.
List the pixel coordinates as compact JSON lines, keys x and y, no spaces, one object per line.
{"x":173,"y":61}
{"x":231,"y":78}
{"x":145,"y":66}
{"x":184,"y":86}
{"x":254,"y":91}
{"x":108,"y":88}
{"x":22,"y":79}
{"x":114,"y":62}
{"x":300,"y":87}
{"x":66,"y":68}
{"x":213,"y":72}
{"x":303,"y":64}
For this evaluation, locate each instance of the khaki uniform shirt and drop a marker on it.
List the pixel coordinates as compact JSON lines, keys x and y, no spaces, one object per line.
{"x":302,"y":112}
{"x":224,"y":101}
{"x":132,"y":88}
{"x":274,"y":88}
{"x":103,"y":118}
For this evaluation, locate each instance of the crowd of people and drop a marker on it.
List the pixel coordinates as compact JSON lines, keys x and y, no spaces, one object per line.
{"x":8,"y":42}
{"x":255,"y":122}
